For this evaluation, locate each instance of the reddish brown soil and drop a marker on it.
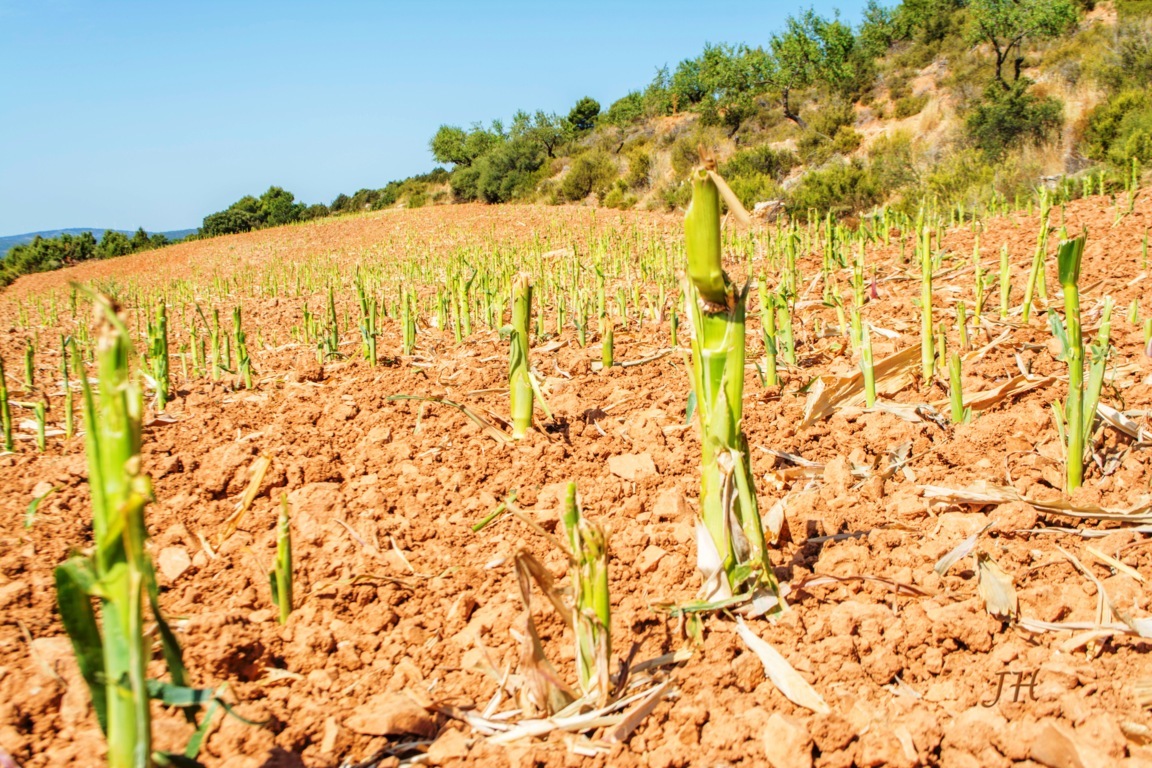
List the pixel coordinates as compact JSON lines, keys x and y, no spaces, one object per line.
{"x":395,"y":592}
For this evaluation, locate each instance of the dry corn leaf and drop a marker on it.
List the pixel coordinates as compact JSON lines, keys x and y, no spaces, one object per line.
{"x":995,"y":587}
{"x":257,"y":472}
{"x":983,"y":494}
{"x":1017,"y":385}
{"x":957,"y":553}
{"x":798,"y":690}
{"x":1121,"y":422}
{"x":1143,"y":691}
{"x":1112,"y":562}
{"x":828,"y":393}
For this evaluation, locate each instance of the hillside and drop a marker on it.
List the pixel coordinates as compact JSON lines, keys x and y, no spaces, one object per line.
{"x":7,"y":242}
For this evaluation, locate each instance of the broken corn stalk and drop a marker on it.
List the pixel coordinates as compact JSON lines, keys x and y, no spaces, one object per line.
{"x":113,"y":656}
{"x":591,"y":617}
{"x":280,"y":577}
{"x":738,"y":560}
{"x":519,"y":376}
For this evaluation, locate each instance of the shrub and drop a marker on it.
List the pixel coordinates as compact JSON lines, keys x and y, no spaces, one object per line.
{"x":846,"y":141}
{"x":839,"y":188}
{"x":1121,"y":128}
{"x":1010,"y":118}
{"x":618,"y":197}
{"x":762,"y":160}
{"x":639,"y":169}
{"x":830,"y":118}
{"x":754,"y":188}
{"x":509,"y":172}
{"x":910,"y":105}
{"x":591,"y":172}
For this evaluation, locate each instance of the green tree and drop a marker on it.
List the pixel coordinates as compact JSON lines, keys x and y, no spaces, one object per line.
{"x":583,"y":115}
{"x":1007,"y":24}
{"x":461,"y":148}
{"x":278,"y":206}
{"x":810,"y":50}
{"x":547,"y":131}
{"x":732,"y":78}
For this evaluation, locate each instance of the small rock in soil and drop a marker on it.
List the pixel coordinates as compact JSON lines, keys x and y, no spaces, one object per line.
{"x":391,"y":714}
{"x":632,"y":466}
{"x":787,"y":743}
{"x":173,"y":562}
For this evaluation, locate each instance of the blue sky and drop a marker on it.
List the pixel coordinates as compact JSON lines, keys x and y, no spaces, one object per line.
{"x":154,"y":114}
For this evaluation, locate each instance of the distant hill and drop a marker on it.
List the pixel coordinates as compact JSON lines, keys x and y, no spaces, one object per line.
{"x":8,"y":241}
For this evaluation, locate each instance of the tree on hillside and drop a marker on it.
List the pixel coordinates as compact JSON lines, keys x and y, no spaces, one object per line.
{"x":810,"y":50}
{"x":732,"y":78}
{"x":278,"y":206}
{"x":583,"y":115}
{"x":1007,"y":24}
{"x":461,"y":148}
{"x":547,"y":131}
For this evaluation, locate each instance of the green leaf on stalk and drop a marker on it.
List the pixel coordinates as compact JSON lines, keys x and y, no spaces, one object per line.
{"x":1058,"y":330}
{"x":75,"y":583}
{"x":30,"y":513}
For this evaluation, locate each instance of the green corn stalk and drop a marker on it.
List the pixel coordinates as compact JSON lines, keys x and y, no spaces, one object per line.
{"x":786,"y":340}
{"x":739,"y":559}
{"x":1148,"y":332}
{"x":5,"y":411}
{"x":607,"y":344}
{"x":68,"y":345}
{"x":962,"y":324}
{"x":280,"y":577}
{"x":158,"y":354}
{"x":519,"y":375}
{"x":217,"y":370}
{"x":1075,"y":422}
{"x":368,"y":313}
{"x":1134,"y":313}
{"x":113,"y":656}
{"x":866,"y":366}
{"x":674,"y":329}
{"x":243,"y":360}
{"x":408,"y":321}
{"x":960,"y":414}
{"x":768,"y":329}
{"x":927,"y":350}
{"x":1036,"y":276}
{"x":979,"y":285}
{"x":581,"y":321}
{"x":29,"y":366}
{"x":591,"y":617}
{"x":333,"y":324}
{"x":1005,"y":283}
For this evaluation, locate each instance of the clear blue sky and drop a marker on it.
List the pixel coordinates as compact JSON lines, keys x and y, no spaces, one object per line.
{"x":154,"y":114}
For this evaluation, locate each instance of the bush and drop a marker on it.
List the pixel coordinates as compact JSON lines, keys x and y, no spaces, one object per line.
{"x":1121,"y":128}
{"x":760,"y":161}
{"x":591,"y":172}
{"x":846,"y":141}
{"x":639,"y":169}
{"x":509,"y":172}
{"x":618,"y":197}
{"x":830,"y":118}
{"x":839,"y":188}
{"x":1009,"y":118}
{"x":910,"y":105}
{"x":754,"y":188}
{"x":891,"y":162}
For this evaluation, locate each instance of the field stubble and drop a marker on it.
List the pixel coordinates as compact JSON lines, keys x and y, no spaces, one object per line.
{"x":395,"y":593}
